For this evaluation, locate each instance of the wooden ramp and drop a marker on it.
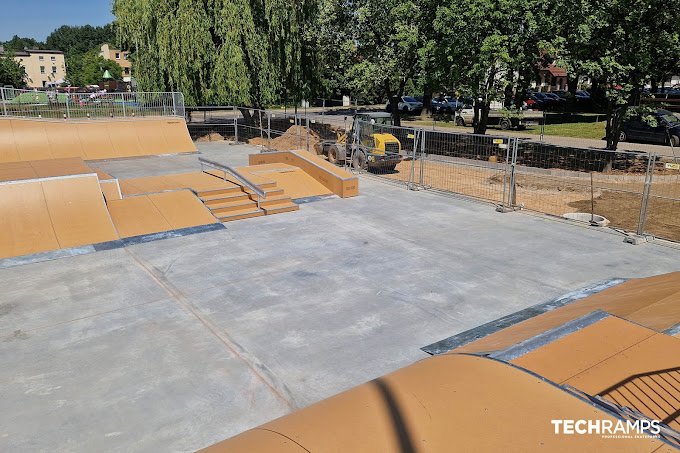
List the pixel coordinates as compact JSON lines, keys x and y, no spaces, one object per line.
{"x":33,"y":139}
{"x":52,"y":213}
{"x":154,"y":213}
{"x":335,"y":179}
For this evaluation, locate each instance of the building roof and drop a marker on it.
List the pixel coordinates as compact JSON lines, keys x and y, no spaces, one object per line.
{"x":27,"y":52}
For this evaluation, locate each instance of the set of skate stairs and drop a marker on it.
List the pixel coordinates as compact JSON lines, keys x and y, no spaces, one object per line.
{"x":237,"y":202}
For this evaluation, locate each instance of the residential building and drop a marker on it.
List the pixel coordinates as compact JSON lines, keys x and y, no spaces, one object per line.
{"x":42,"y":67}
{"x":122,"y":57}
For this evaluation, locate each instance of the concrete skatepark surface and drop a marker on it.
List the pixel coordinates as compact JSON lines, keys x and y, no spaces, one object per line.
{"x":177,"y":344}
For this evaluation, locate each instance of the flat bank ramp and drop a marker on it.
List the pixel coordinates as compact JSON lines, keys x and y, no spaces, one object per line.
{"x":334,"y":178}
{"x":154,"y":213}
{"x":52,"y":213}
{"x":34,"y":139}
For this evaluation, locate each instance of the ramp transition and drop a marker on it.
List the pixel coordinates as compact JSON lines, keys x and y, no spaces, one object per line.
{"x":34,"y":139}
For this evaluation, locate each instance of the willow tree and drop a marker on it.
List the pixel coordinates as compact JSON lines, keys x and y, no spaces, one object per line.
{"x":241,"y":52}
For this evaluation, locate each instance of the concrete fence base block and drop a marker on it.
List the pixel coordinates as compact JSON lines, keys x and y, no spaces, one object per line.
{"x":504,"y":209}
{"x":636,"y":239}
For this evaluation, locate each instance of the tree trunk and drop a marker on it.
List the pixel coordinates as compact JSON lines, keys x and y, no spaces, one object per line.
{"x":572,"y":87}
{"x":507,"y":98}
{"x":427,"y":102}
{"x":481,"y":116}
{"x":655,"y":85}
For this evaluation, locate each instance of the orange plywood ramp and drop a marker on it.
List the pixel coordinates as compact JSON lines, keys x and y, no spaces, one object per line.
{"x":15,"y":171}
{"x":444,"y":403}
{"x":335,"y":179}
{"x":8,"y":149}
{"x":25,"y":225}
{"x":653,"y":302}
{"x":79,"y":215}
{"x":49,"y":214}
{"x":24,"y":139}
{"x":154,"y":213}
{"x":110,"y":189}
{"x":295,"y":182}
{"x":626,"y":363}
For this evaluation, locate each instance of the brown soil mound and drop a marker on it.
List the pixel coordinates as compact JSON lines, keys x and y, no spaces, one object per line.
{"x":211,"y":137}
{"x":295,"y":138}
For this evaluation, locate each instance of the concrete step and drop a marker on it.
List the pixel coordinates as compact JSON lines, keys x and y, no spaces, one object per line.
{"x":240,"y":204}
{"x":279,"y":208}
{"x":243,"y":213}
{"x":218,"y":200}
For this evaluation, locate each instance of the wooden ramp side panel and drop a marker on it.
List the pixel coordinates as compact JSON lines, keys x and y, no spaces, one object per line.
{"x":25,"y":225}
{"x":110,"y":189}
{"x":137,"y":215}
{"x":79,"y":215}
{"x":335,"y":179}
{"x":63,"y":139}
{"x":151,"y":137}
{"x":123,"y":136}
{"x":176,"y":135}
{"x":31,"y":140}
{"x":181,"y":209}
{"x":95,"y":140}
{"x":8,"y":148}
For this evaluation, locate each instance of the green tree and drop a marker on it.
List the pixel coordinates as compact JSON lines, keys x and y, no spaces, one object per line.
{"x":89,"y":68}
{"x":17,"y":43}
{"x":490,"y":45}
{"x":241,"y":52}
{"x":75,"y":41}
{"x":11,"y":72}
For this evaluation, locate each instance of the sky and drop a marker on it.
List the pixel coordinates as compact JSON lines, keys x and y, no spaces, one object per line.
{"x":38,"y":18}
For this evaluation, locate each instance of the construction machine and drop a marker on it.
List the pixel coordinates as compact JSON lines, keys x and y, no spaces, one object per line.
{"x":365,"y":145}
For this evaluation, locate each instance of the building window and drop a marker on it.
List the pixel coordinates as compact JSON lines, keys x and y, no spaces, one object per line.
{"x":54,"y":69}
{"x":127,"y":71}
{"x":41,"y":58}
{"x":42,"y":69}
{"x":117,"y":56}
{"x":53,"y":58}
{"x":125,"y":56}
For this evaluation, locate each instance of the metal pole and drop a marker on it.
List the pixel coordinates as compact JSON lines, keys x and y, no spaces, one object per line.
{"x":174,"y":108}
{"x":307,"y":119}
{"x":269,"y":130}
{"x":412,"y":175}
{"x":261,"y":131}
{"x":235,"y":125}
{"x":68,"y":112}
{"x":543,"y":126}
{"x":505,"y":177}
{"x":122,"y":97}
{"x":512,"y":194}
{"x":645,"y":194}
{"x":4,"y":107}
{"x":422,"y":156}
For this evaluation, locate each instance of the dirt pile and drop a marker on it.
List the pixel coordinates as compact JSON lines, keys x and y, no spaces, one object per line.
{"x":211,"y":137}
{"x":295,"y":138}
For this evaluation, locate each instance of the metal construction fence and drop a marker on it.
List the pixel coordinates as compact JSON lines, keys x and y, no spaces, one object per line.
{"x":92,"y":105}
{"x":638,"y":192}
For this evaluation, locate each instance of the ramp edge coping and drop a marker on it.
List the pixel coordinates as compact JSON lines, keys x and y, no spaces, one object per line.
{"x":489,"y":328}
{"x":47,"y":178}
{"x":311,"y":162}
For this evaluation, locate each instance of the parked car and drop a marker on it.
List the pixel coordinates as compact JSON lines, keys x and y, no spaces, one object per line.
{"x":564,"y":94}
{"x":407,"y":104}
{"x":539,"y":101}
{"x":446,"y":105}
{"x":581,"y":94}
{"x":666,"y":130}
{"x":557,"y":101}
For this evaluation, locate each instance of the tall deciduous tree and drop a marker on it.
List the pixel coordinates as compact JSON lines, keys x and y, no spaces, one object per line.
{"x":87,"y":69}
{"x":242,"y":52}
{"x":11,"y":72}
{"x":490,"y":44}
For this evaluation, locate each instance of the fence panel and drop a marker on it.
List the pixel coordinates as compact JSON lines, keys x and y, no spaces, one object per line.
{"x":663,"y":206}
{"x":57,"y":105}
{"x":472,"y":165}
{"x":560,"y":180}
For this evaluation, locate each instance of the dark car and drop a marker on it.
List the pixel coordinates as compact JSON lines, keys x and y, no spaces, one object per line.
{"x":666,"y":129}
{"x":564,"y":94}
{"x":539,"y":101}
{"x":558,"y":101}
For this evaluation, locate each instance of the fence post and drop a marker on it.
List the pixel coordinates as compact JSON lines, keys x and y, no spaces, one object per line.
{"x":122,"y":98}
{"x":307,"y":120}
{"x":423,"y":134}
{"x":505,"y":177}
{"x":4,"y":107}
{"x":269,"y":130}
{"x":68,"y":112}
{"x":511,"y":192}
{"x":235,"y":125}
{"x":651,"y":160}
{"x":259,"y":112}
